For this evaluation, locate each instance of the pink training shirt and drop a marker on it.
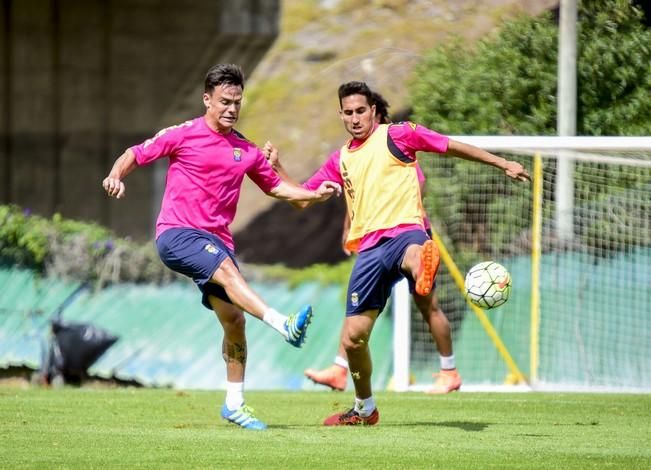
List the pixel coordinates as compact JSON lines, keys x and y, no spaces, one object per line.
{"x":409,"y":138}
{"x":205,"y":175}
{"x":421,"y":180}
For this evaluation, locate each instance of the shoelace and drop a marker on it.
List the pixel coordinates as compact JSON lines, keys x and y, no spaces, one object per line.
{"x":349,"y":414}
{"x":248,"y":412}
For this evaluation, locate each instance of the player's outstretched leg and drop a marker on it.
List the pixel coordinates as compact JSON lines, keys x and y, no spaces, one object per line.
{"x":243,"y":417}
{"x":334,"y":376}
{"x":352,"y":418}
{"x":296,"y":326}
{"x":429,"y":265}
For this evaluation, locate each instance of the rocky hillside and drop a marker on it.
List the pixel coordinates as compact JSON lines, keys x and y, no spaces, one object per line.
{"x":291,"y":99}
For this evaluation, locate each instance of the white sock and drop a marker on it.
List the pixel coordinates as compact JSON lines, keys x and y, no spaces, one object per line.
{"x":365,"y":406}
{"x":340,"y":361}
{"x":234,"y":395}
{"x":447,"y":363}
{"x":276,"y":321}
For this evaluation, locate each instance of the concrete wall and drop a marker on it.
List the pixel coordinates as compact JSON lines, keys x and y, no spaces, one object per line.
{"x":81,"y":80}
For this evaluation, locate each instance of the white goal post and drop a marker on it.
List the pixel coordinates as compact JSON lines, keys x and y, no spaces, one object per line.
{"x":580,"y":307}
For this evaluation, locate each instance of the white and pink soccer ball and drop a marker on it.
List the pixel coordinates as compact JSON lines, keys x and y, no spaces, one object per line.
{"x":488,"y":285}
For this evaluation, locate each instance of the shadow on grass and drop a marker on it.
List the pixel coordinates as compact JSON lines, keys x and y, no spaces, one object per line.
{"x":463,"y":425}
{"x":470,"y":426}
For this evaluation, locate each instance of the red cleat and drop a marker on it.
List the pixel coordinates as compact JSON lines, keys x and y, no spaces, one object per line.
{"x":447,"y":381}
{"x":334,"y":377}
{"x":352,"y":418}
{"x":429,"y":265}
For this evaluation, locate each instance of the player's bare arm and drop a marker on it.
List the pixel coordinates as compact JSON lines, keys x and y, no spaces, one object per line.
{"x":294,"y":193}
{"x":271,"y":154}
{"x":512,"y":169}
{"x":124,"y":165}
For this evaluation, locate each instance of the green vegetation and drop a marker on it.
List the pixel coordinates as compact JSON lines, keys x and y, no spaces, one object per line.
{"x":506,"y":85}
{"x":79,"y":250}
{"x":89,"y":252}
{"x":322,"y":273}
{"x":148,"y":428}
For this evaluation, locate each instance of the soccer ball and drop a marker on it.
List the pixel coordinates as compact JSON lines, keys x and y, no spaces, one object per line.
{"x":488,"y":285}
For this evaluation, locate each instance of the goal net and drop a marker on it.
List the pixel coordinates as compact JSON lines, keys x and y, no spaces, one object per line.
{"x":577,"y":242}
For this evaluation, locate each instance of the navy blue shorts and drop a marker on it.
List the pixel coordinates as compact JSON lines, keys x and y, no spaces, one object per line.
{"x":196,"y":254}
{"x":377,"y":270}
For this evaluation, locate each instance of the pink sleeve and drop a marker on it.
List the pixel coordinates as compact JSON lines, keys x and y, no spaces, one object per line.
{"x":161,"y":145}
{"x":329,"y":171}
{"x":262,"y":174}
{"x":411,"y":138}
{"x":419,"y":172}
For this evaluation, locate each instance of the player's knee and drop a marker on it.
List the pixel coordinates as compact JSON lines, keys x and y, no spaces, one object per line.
{"x":233,"y":324}
{"x":353,"y":344}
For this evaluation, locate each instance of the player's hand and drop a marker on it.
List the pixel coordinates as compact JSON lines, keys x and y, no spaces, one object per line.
{"x":516,"y":171}
{"x":114,"y":187}
{"x":271,"y":154}
{"x":328,"y":189}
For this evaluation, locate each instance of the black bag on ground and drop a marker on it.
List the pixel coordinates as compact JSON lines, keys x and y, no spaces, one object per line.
{"x":73,"y":349}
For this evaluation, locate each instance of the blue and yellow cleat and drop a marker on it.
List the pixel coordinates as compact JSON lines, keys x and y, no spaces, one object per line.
{"x":243,"y":417}
{"x":296,"y":326}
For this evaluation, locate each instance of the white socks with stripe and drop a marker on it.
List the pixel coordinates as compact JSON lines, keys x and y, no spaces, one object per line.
{"x":447,"y":363}
{"x":365,"y":407}
{"x":340,"y":361}
{"x":234,"y":395}
{"x":276,"y":321}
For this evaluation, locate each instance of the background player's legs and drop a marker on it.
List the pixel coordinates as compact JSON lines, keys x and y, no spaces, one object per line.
{"x":448,"y":379}
{"x":439,"y":326}
{"x":335,"y":376}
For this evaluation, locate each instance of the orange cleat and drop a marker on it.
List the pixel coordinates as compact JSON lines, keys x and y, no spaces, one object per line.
{"x":446,"y":381}
{"x":352,"y":418}
{"x":429,"y":265}
{"x":334,"y":377}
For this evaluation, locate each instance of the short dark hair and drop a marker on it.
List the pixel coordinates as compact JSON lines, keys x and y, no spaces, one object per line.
{"x":381,"y":107}
{"x":355,"y":88}
{"x":220,"y":74}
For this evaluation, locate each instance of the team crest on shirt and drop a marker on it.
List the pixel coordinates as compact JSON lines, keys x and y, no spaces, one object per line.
{"x":237,"y":154}
{"x":354,"y":299}
{"x":210,"y":248}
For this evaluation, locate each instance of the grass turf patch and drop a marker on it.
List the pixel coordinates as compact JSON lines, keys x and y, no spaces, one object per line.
{"x":87,"y":428}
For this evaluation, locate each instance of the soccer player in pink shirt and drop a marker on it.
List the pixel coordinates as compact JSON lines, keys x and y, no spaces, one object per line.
{"x":208,"y":160}
{"x":376,"y":169}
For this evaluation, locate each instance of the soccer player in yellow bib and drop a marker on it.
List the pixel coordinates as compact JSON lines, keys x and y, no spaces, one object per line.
{"x":376,"y":168}
{"x":448,"y":378}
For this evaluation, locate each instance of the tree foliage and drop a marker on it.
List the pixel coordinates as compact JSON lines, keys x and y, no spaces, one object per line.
{"x":506,"y":84}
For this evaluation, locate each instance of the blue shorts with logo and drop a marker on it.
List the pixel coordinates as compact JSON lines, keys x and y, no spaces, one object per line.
{"x":377,"y":270}
{"x":196,"y":254}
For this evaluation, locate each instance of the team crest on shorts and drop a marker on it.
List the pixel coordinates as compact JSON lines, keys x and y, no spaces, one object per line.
{"x":237,"y":154}
{"x":211,"y":249}
{"x":354,"y":299}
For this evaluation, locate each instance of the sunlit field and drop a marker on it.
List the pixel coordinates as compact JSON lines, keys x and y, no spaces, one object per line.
{"x":149,"y":428}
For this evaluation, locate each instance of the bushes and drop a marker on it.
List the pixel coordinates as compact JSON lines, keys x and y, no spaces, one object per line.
{"x":72,"y":249}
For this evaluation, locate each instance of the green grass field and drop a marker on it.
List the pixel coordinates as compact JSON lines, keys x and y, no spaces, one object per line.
{"x":93,"y":428}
